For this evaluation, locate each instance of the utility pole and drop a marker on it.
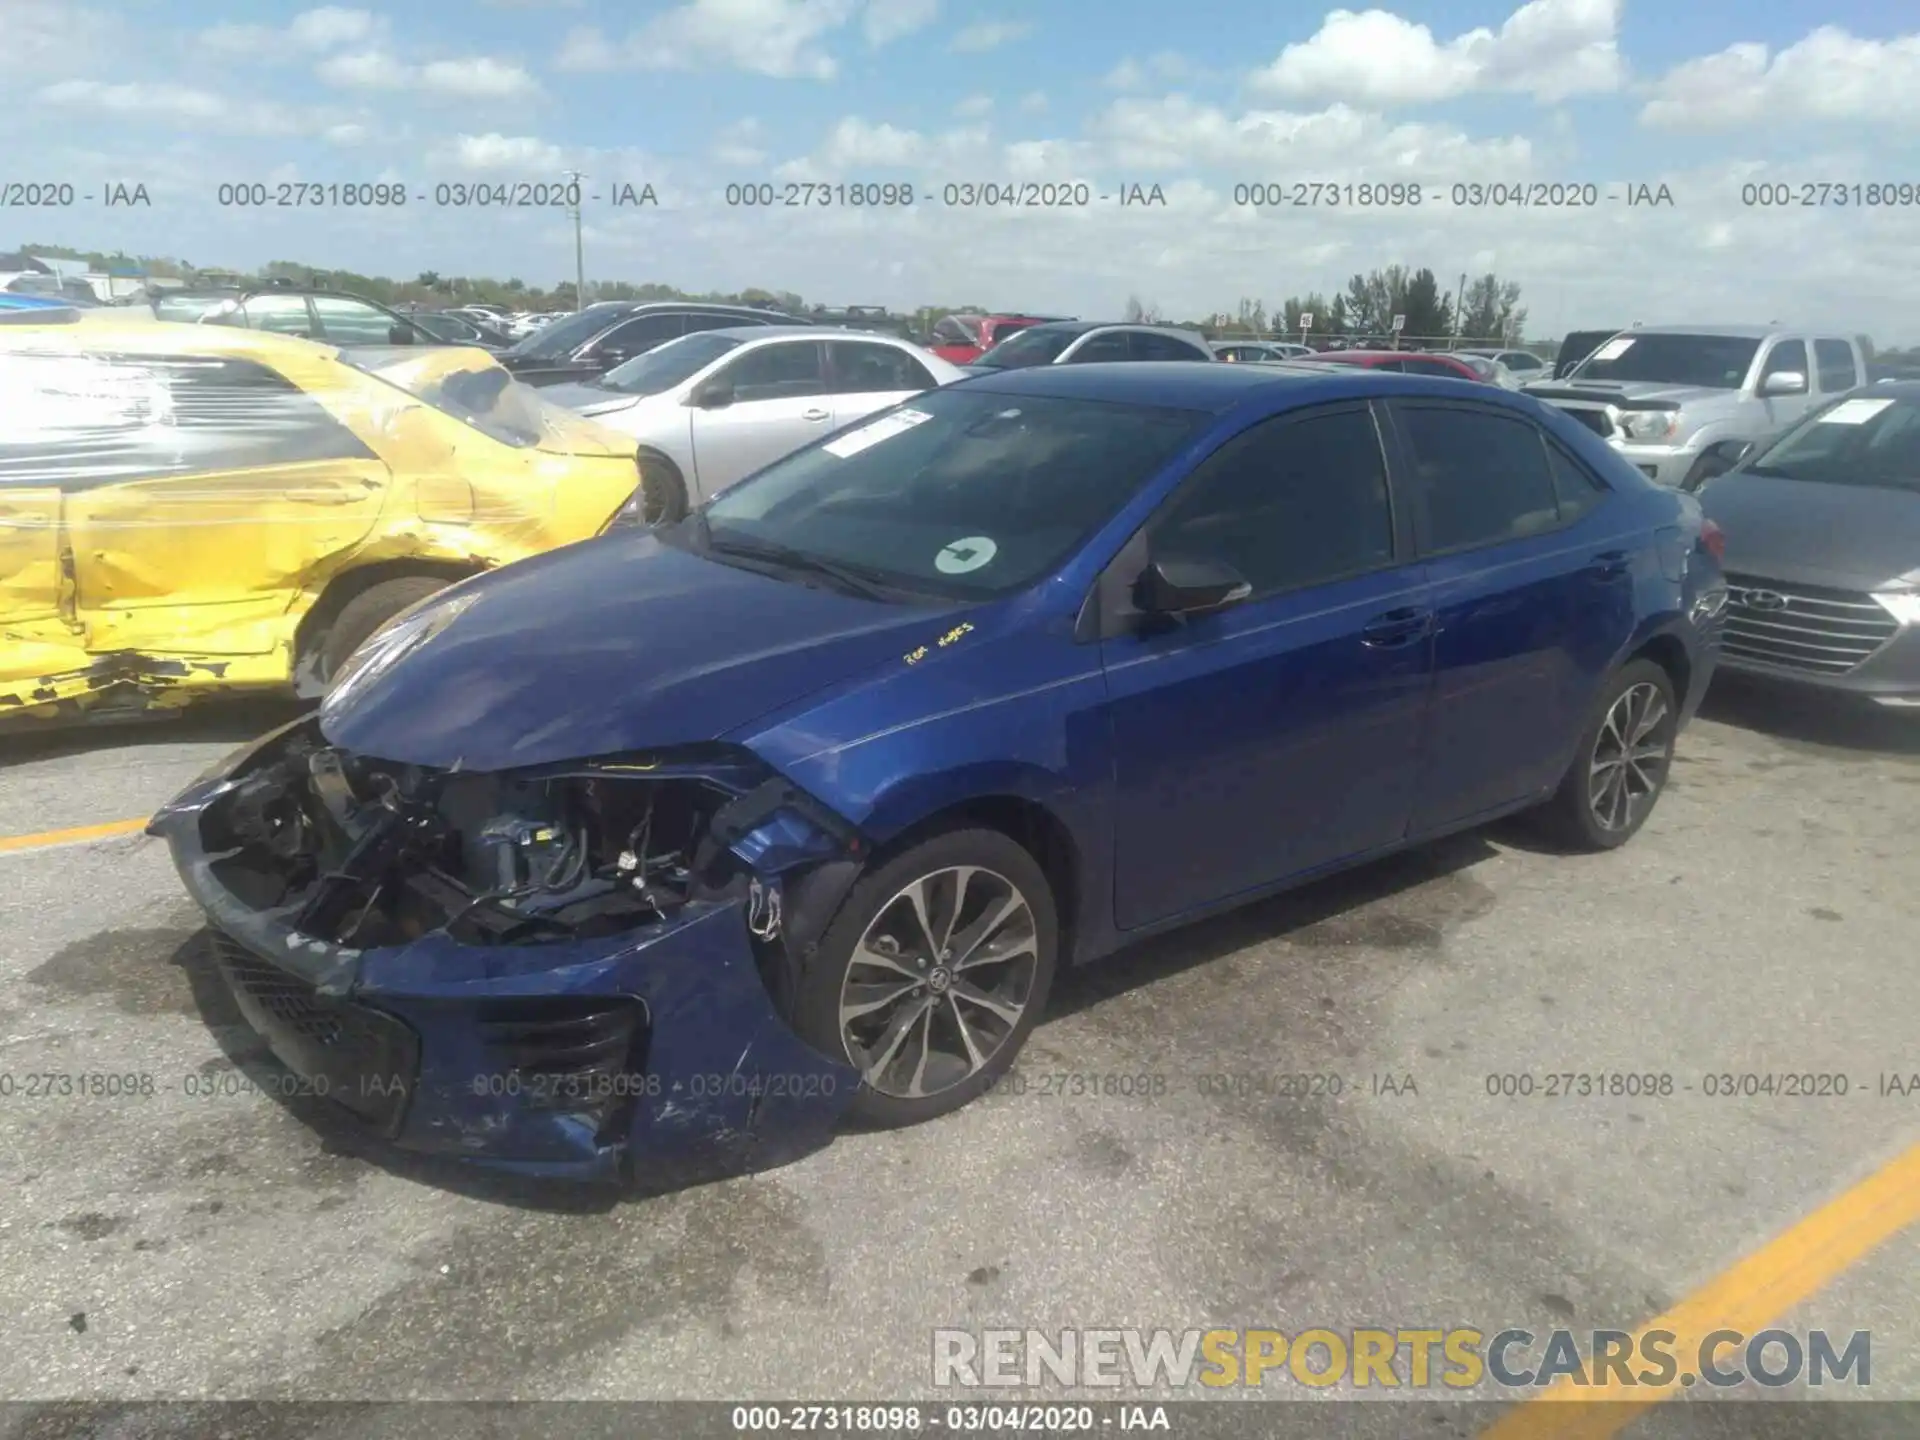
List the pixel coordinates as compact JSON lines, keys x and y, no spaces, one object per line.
{"x":1459,"y":315}
{"x":574,"y":177}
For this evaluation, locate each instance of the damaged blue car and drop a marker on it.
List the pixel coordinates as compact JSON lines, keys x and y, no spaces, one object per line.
{"x":678,"y":846}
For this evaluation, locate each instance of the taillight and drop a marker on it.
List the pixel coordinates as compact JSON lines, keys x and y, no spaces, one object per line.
{"x":1713,"y":540}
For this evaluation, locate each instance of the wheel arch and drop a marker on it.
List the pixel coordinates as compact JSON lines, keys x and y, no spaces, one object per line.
{"x":342,"y":588}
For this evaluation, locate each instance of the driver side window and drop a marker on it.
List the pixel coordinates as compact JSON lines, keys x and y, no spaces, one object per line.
{"x":1294,"y":501}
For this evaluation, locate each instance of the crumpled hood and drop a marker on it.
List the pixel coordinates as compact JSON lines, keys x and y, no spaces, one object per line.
{"x":1851,"y":537}
{"x":613,"y":645}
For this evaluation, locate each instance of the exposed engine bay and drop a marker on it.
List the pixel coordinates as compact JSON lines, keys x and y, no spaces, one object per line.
{"x":366,"y":853}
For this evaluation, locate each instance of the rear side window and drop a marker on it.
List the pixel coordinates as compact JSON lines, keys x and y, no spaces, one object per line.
{"x":1482,"y":477}
{"x":279,"y":314}
{"x":1835,"y":365}
{"x":862,"y":369}
{"x":79,"y":421}
{"x":1294,"y":501}
{"x":1149,"y":346}
{"x":1100,"y":349}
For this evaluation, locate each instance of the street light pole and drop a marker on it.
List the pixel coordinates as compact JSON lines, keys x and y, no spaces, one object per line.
{"x":574,"y":177}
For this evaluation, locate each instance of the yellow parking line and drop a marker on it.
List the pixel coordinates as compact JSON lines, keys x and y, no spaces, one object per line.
{"x":79,"y":834}
{"x":1753,"y":1293}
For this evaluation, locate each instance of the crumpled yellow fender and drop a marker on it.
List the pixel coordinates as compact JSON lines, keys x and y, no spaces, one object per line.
{"x":251,"y":493}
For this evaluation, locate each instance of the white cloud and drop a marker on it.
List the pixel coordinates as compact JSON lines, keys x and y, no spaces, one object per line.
{"x":41,"y":35}
{"x":478,"y":76}
{"x":1034,"y":102}
{"x":780,"y":38}
{"x":365,"y":70}
{"x":326,"y":28}
{"x":332,"y":25}
{"x":1338,"y":143}
{"x":1550,"y":49}
{"x":974,"y":106}
{"x":855,"y":146}
{"x":989,"y":35}
{"x":890,"y":20}
{"x":474,"y":77}
{"x":494,"y":151}
{"x":182,"y":104}
{"x":348,"y":133}
{"x":1829,"y":75}
{"x":1132,"y":74}
{"x":741,"y":144}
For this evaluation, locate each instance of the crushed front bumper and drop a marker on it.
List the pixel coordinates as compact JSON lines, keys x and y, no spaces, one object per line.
{"x":654,"y":1056}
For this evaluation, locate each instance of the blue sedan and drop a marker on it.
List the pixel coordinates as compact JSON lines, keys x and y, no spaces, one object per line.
{"x":671,"y":849}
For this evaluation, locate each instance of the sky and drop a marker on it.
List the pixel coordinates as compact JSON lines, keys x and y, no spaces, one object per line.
{"x":962,"y":106}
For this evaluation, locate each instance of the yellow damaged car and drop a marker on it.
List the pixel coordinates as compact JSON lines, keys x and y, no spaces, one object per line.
{"x":190,"y":509}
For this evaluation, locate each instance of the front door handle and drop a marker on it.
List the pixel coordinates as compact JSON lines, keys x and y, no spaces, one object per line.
{"x":1610,"y":563}
{"x":1397,"y":628}
{"x":813,"y":415}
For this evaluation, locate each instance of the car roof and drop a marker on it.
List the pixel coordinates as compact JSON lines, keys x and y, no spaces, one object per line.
{"x":1215,"y":389}
{"x":795,"y":332}
{"x":1724,"y":332}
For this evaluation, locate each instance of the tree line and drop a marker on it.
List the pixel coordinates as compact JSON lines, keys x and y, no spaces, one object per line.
{"x":1484,"y":308}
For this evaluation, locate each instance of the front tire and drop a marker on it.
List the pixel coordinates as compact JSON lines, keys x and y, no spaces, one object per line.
{"x":663,"y":493}
{"x":933,"y":974}
{"x":1622,"y":763}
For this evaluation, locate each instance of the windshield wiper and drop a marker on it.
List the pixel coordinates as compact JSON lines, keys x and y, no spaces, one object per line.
{"x":847,"y":577}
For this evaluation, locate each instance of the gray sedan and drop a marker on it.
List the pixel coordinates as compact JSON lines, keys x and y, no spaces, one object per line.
{"x":1823,"y":549}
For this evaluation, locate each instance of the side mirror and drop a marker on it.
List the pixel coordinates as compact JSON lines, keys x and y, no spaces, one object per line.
{"x":612,"y":356}
{"x":711,"y":395}
{"x":1178,"y":585}
{"x":1784,"y":382}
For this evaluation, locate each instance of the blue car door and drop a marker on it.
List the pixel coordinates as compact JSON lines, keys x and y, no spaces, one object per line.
{"x":1533,"y":593}
{"x":1279,"y":734}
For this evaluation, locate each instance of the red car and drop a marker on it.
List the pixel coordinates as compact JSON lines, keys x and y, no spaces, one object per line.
{"x":963,"y":339}
{"x":1411,"y":362}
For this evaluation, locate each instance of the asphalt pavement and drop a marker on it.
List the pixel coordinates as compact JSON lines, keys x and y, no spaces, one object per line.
{"x":211,"y":1241}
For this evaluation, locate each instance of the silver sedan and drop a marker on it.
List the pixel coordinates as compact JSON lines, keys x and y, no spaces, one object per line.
{"x":713,"y":407}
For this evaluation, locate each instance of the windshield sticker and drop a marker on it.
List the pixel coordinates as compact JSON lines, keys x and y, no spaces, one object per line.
{"x":1854,"y":412}
{"x":885,"y":428}
{"x":963,"y":557}
{"x":1614,"y":349}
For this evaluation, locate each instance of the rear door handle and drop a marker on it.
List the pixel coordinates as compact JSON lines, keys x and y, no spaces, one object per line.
{"x":813,"y":414}
{"x":1609,"y":563}
{"x":1395,"y":628}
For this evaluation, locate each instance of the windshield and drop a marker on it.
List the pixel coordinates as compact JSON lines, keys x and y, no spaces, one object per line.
{"x":1709,"y":362}
{"x":961,"y":494}
{"x":557,"y":339}
{"x":666,"y":366}
{"x":1872,"y":442}
{"x":1032,"y":346}
{"x":474,"y":390}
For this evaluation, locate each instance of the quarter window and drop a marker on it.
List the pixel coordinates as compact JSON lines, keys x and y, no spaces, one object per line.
{"x":1294,"y":501}
{"x":1483,"y":477}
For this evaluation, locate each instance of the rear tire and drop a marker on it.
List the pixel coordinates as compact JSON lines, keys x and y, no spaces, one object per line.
{"x":366,"y":613}
{"x":1622,"y":763}
{"x":931,"y":1012}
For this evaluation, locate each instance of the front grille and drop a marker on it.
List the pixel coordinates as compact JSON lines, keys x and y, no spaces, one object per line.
{"x":361,"y":1058}
{"x":1802,"y":627}
{"x":583,"y":1055}
{"x":1597,"y":421}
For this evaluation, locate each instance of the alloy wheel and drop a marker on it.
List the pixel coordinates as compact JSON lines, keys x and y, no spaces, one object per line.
{"x":1629,"y":761}
{"x":939,"y":981}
